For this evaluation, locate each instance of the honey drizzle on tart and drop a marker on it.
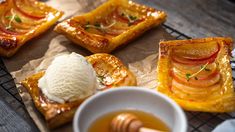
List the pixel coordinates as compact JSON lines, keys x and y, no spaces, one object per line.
{"x":195,"y":78}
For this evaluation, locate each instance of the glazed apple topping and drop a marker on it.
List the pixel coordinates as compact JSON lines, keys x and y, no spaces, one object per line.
{"x":194,"y":75}
{"x":195,"y":68}
{"x":99,"y":26}
{"x":113,"y":24}
{"x":21,"y":17}
{"x":12,"y":18}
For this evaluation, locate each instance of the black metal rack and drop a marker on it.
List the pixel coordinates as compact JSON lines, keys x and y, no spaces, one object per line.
{"x":198,"y":121}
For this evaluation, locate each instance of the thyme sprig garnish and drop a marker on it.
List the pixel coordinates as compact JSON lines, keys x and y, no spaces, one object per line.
{"x":12,"y":18}
{"x":102,"y":82}
{"x":100,"y":78}
{"x":99,"y":26}
{"x":130,"y":18}
{"x":194,"y":75}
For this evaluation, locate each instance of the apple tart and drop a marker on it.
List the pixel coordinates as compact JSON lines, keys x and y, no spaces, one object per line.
{"x":111,"y":25}
{"x":197,"y":73}
{"x":110,"y":73}
{"x":22,"y":20}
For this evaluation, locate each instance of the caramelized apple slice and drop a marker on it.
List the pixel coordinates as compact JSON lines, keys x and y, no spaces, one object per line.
{"x":199,"y":82}
{"x":194,"y":93}
{"x":197,"y":51}
{"x":28,"y":10}
{"x":185,"y":61}
{"x":181,"y":70}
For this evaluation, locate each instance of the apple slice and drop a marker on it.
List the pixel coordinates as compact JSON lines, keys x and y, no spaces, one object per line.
{"x":126,"y":18}
{"x":196,"y":54}
{"x":199,"y":82}
{"x":195,"y":93}
{"x":8,"y":32}
{"x":181,"y":70}
{"x":28,"y":10}
{"x":185,"y":61}
{"x":197,"y":51}
{"x":195,"y":90}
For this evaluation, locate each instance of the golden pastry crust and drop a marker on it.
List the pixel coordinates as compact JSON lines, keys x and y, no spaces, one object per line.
{"x":111,"y":71}
{"x":197,"y":73}
{"x":22,"y":20}
{"x":57,"y":114}
{"x":111,"y":25}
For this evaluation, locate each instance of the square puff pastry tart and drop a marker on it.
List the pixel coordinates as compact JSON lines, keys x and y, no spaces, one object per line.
{"x":110,"y":73}
{"x":22,"y":20}
{"x":111,"y":25}
{"x":197,"y":73}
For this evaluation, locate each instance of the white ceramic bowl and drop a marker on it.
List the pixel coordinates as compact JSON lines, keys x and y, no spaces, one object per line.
{"x":136,"y":98}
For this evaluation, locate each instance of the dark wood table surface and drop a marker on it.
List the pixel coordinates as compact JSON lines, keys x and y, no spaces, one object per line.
{"x":194,"y":18}
{"x":199,"y":18}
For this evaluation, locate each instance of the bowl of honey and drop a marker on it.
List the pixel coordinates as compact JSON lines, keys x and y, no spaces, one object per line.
{"x":129,"y":109}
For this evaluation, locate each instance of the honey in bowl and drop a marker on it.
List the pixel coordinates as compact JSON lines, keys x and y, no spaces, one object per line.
{"x":103,"y":124}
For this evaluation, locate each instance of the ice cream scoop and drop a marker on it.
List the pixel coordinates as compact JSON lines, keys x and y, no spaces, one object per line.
{"x":69,"y":77}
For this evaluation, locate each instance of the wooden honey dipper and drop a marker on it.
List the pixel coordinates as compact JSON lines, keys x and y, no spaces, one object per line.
{"x":127,"y":122}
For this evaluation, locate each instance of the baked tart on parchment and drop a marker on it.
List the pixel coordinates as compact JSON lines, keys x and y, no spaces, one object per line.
{"x":22,"y":20}
{"x":197,"y":73}
{"x":110,"y":73}
{"x":113,"y":24}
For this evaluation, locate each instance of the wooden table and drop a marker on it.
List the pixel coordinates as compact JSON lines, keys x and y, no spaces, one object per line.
{"x":195,"y":18}
{"x":198,"y":18}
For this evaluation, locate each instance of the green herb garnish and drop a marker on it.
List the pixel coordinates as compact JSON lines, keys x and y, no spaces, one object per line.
{"x":100,"y":78}
{"x":14,"y":17}
{"x":17,"y":19}
{"x":11,"y":18}
{"x":187,"y":76}
{"x":8,"y":17}
{"x":132,"y":17}
{"x":97,"y":24}
{"x":203,"y":67}
{"x":87,"y":26}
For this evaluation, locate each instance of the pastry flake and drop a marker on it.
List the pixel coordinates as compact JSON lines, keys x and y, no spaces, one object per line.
{"x":113,"y":73}
{"x":197,"y":73}
{"x":111,"y":25}
{"x":22,"y":20}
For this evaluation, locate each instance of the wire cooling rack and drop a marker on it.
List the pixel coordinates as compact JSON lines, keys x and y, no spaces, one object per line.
{"x":198,"y":121}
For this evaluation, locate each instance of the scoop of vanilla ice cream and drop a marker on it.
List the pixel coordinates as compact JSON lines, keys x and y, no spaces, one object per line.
{"x":69,"y":77}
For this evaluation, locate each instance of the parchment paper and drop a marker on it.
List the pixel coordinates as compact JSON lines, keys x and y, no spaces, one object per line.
{"x":140,"y":55}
